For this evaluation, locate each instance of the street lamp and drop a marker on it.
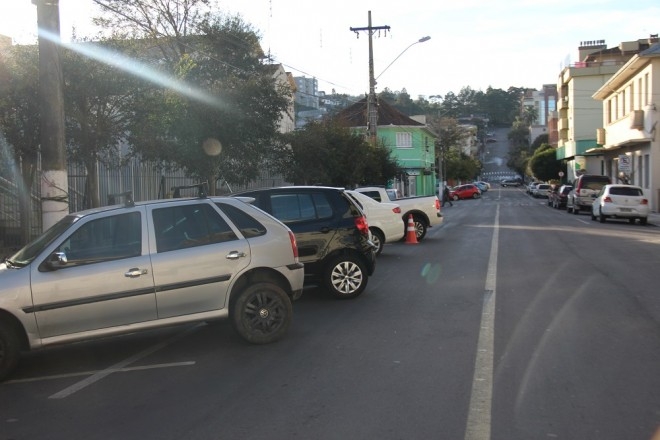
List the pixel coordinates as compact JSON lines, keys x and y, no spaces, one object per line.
{"x":421,"y":40}
{"x":372,"y":111}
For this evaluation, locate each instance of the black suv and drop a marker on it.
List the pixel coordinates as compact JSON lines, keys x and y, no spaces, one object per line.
{"x":331,"y":231}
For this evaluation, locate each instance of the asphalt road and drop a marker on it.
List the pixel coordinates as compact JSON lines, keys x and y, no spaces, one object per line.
{"x":512,"y":321}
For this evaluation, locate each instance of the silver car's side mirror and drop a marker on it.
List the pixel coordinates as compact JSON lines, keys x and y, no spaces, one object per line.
{"x":57,"y":260}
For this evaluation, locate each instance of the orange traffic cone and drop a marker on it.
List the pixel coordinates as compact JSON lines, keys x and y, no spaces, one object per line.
{"x":411,"y":234}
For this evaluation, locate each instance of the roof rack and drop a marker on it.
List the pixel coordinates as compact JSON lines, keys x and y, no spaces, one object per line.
{"x":202,"y":190}
{"x":128,"y":199}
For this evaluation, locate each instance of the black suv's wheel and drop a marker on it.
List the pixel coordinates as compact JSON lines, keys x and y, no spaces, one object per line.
{"x":345,"y":277}
{"x":378,"y":239}
{"x":262,"y":313}
{"x":9,"y":350}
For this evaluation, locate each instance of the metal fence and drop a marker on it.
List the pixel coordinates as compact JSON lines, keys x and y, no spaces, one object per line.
{"x":146,"y":180}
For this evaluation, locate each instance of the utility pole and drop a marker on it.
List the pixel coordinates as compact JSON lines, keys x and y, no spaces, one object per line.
{"x":372,"y":109}
{"x":54,"y":184}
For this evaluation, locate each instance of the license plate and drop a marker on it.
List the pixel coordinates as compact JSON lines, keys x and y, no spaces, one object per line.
{"x":625,"y":209}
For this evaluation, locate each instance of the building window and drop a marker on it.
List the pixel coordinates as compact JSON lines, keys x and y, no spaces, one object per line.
{"x":645,"y":95}
{"x":646,"y":171}
{"x":624,"y":103}
{"x":616,"y":107}
{"x":404,"y":140}
{"x":632,"y":96}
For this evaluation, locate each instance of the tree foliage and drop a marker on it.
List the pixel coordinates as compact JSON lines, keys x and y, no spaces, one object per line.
{"x":219,"y":55}
{"x":329,"y":154}
{"x":544,"y":164}
{"x":539,"y":141}
{"x":98,"y":103}
{"x":20,"y":124}
{"x":455,"y":164}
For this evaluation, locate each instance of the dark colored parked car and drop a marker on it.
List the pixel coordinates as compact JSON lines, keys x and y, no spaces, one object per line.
{"x":557,"y":197}
{"x":331,"y":231}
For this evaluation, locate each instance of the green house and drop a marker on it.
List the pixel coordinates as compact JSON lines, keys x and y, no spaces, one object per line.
{"x":412,"y":144}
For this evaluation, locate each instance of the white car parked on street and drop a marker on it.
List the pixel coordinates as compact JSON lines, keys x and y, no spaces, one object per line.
{"x":621,"y":201}
{"x":384,"y":219}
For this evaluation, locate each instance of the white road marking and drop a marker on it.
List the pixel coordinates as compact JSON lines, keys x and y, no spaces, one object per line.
{"x":479,"y":413}
{"x":89,"y":373}
{"x":120,"y":365}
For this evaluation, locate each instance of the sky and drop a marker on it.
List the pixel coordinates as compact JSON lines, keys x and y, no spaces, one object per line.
{"x":473,"y":43}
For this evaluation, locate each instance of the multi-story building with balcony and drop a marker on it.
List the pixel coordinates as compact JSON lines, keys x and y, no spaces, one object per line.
{"x":629,"y":145}
{"x":579,"y":115}
{"x":544,"y":104}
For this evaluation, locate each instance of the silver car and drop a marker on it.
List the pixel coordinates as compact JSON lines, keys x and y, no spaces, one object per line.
{"x":139,"y":266}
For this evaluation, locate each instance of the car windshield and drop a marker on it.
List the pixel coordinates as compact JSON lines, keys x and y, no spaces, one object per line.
{"x":30,"y":251}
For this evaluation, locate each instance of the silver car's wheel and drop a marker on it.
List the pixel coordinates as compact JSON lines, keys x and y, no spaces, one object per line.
{"x":345,"y":277}
{"x":601,"y":217}
{"x":262,"y":313}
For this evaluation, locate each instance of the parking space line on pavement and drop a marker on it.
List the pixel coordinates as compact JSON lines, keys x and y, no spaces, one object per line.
{"x":89,"y":373}
{"x":120,"y":365}
{"x":478,"y":424}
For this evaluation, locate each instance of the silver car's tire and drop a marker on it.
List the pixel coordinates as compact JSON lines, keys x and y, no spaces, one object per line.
{"x":345,"y":277}
{"x":262,"y":313}
{"x":601,"y":217}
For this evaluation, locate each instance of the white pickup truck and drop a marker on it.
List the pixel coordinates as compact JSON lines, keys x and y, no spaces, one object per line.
{"x":424,"y":209}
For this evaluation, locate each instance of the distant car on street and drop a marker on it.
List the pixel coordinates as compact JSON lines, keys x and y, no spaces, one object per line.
{"x":510,"y":182}
{"x":541,"y":190}
{"x":467,"y":191}
{"x":483,"y":186}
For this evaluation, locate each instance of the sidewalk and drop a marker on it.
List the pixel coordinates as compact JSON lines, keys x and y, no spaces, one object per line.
{"x":654,"y":219}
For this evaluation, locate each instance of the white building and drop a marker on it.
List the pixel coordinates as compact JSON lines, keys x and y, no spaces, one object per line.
{"x":629,"y":145}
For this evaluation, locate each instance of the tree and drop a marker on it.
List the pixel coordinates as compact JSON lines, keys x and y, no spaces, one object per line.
{"x":329,"y":154}
{"x":530,"y":115}
{"x":242,"y":103}
{"x":98,"y":101}
{"x":544,"y":164}
{"x":20,"y":123}
{"x":454,"y":163}
{"x":539,"y":141}
{"x":164,"y":24}
{"x":518,"y":147}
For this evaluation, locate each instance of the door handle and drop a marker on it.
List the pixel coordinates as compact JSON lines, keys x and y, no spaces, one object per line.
{"x":135,"y":272}
{"x":235,"y":255}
